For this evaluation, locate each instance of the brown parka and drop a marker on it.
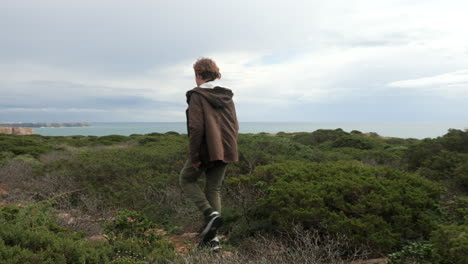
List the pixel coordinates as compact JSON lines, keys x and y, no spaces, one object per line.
{"x":212,"y":125}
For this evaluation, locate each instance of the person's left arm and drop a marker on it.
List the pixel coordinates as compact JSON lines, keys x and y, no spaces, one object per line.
{"x":196,"y":128}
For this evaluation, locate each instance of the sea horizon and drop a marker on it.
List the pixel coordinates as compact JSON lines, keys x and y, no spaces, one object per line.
{"x":404,"y":129}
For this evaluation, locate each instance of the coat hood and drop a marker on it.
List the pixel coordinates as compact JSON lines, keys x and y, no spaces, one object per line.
{"x":218,"y":97}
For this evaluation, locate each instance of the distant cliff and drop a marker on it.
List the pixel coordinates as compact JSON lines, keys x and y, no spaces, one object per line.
{"x":16,"y":130}
{"x":78,"y":124}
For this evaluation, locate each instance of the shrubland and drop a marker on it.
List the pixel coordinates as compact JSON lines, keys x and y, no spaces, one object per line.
{"x":374,"y":206}
{"x":328,"y":196}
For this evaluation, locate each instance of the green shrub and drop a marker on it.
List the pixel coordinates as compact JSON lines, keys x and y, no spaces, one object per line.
{"x":130,"y":224}
{"x":352,"y":142}
{"x":372,"y":157}
{"x":5,"y":156}
{"x":450,"y":244}
{"x":443,"y":164}
{"x":455,"y":140}
{"x":171,"y":133}
{"x":23,"y":144}
{"x":130,"y":176}
{"x":443,"y":159}
{"x":319,"y":136}
{"x":8,"y":213}
{"x":150,"y":139}
{"x":415,"y":252}
{"x":258,"y":149}
{"x":418,"y":153}
{"x":110,"y":139}
{"x":378,"y":206}
{"x":32,"y":235}
{"x":382,"y":207}
{"x":124,"y":177}
{"x":461,"y":176}
{"x":395,"y":141}
{"x":455,"y":210}
{"x":421,"y":153}
{"x":133,"y":235}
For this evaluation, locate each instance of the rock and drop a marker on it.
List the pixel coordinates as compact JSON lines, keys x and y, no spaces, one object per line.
{"x":63,"y":215}
{"x":66,"y":218}
{"x":76,"y":124}
{"x":23,"y":131}
{"x":16,"y":130}
{"x":6,"y":130}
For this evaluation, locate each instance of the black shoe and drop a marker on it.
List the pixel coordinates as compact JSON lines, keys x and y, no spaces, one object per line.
{"x":213,"y":245}
{"x":213,"y":222}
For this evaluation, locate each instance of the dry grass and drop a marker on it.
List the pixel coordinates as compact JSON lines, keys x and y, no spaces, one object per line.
{"x":300,"y":246}
{"x":15,"y":177}
{"x":58,"y":155}
{"x":121,"y":145}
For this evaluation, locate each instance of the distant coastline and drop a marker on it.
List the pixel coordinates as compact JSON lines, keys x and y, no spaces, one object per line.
{"x":417,"y":130}
{"x":19,"y":124}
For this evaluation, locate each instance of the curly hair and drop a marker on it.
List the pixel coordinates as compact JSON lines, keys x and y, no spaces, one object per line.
{"x":207,"y":69}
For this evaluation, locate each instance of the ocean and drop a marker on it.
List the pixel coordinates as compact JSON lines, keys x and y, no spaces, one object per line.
{"x":417,"y":130}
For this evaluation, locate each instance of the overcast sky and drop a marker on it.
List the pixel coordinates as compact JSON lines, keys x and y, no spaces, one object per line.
{"x":112,"y":60}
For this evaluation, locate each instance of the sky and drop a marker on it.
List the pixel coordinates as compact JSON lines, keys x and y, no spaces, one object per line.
{"x":295,"y":61}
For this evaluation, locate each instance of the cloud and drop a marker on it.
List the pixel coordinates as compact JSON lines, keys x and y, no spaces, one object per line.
{"x":453,"y":85}
{"x":133,"y":59}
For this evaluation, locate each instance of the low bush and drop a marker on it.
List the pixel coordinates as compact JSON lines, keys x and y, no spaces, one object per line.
{"x":450,"y":244}
{"x":23,"y":144}
{"x":352,"y":142}
{"x":443,"y":159}
{"x":443,"y":164}
{"x":455,"y":210}
{"x":372,"y":157}
{"x":112,"y":139}
{"x":376,"y":206}
{"x":415,"y":252}
{"x":421,"y":153}
{"x":260,"y":149}
{"x":265,"y":192}
{"x":132,"y":177}
{"x":134,"y":236}
{"x":32,"y":235}
{"x":461,"y":176}
{"x":455,"y":140}
{"x":5,"y":156}
{"x":319,"y":136}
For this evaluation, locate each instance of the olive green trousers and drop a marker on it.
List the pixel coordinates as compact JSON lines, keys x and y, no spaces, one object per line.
{"x":214,"y":176}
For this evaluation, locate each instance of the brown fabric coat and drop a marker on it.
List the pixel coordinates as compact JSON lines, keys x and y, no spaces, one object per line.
{"x":212,"y":125}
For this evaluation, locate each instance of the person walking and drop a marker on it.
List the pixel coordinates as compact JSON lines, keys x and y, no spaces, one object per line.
{"x":212,"y":129}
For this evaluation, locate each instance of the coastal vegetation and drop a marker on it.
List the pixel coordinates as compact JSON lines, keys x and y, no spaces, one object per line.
{"x":328,"y":196}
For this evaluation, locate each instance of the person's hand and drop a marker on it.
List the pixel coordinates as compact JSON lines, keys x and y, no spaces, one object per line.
{"x":196,"y":165}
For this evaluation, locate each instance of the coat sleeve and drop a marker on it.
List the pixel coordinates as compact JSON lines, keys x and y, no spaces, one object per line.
{"x":196,"y":127}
